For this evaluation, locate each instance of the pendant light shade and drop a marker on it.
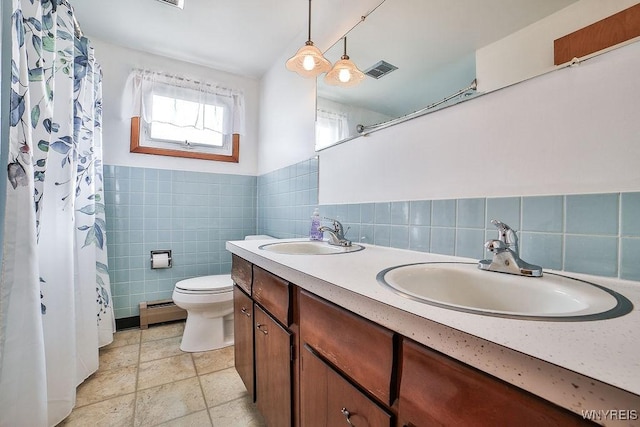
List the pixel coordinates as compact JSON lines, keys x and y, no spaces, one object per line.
{"x":344,"y":72}
{"x":308,"y":60}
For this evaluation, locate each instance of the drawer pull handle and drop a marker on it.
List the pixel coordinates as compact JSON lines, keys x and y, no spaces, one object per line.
{"x":347,"y":415}
{"x":259,"y":327}
{"x":245,"y":312}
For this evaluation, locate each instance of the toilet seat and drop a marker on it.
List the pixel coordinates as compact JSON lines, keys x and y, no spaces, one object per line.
{"x":217,"y":284}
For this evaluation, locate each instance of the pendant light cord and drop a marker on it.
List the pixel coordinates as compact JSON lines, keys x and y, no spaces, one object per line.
{"x":309,"y":39}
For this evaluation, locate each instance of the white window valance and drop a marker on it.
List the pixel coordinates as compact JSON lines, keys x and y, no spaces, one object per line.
{"x":142,"y":85}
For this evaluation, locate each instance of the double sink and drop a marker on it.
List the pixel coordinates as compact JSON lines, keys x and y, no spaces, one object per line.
{"x":463,"y":287}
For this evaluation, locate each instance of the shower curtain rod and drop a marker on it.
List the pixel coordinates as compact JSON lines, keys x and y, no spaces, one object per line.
{"x":76,"y":27}
{"x":364,"y":130}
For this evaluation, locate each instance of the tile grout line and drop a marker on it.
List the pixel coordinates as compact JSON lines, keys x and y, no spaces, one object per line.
{"x":135,"y":391}
{"x":204,"y":397}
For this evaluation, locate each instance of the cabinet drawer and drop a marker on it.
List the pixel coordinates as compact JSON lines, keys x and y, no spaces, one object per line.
{"x":328,"y":400}
{"x":273,"y":294}
{"x":359,"y":348}
{"x":241,"y":273}
{"x":438,"y":390}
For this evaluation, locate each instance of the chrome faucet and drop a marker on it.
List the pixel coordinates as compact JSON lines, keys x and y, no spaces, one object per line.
{"x":506,"y":256}
{"x":336,"y":234}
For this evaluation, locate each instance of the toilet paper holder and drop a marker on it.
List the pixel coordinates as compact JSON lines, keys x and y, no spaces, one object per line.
{"x":157,"y":260}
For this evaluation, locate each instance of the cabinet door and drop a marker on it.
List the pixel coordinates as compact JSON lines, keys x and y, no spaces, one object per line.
{"x":243,"y":338}
{"x":273,"y":347}
{"x":329,"y":400}
{"x":437,"y":390}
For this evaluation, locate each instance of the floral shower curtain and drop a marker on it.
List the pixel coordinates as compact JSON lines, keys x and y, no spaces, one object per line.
{"x":55,"y":302}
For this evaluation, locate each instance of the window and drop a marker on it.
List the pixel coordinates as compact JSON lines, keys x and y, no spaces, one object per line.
{"x":174,"y":116}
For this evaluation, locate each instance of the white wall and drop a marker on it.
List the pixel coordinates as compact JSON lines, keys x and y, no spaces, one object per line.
{"x":117,"y":63}
{"x":287,"y":101}
{"x":576,"y":130}
{"x":529,"y":52}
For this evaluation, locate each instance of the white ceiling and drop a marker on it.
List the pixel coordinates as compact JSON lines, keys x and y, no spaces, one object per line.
{"x":244,"y":37}
{"x":247,"y":37}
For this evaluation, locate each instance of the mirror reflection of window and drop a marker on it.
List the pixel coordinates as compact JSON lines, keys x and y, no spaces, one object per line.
{"x":331,"y":126}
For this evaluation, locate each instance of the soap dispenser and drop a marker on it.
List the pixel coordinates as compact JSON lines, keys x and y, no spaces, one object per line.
{"x":314,"y":232}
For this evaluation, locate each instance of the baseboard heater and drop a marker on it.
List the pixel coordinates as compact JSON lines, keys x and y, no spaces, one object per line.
{"x":152,"y":312}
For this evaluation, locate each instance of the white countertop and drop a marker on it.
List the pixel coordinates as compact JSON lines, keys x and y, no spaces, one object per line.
{"x":540,"y":356}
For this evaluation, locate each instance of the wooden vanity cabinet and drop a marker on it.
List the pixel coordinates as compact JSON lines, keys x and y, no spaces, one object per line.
{"x":310,"y":363}
{"x":264,"y":343}
{"x":438,"y":390}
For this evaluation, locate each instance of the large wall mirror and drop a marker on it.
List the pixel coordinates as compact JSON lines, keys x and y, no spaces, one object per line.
{"x":433,"y":44}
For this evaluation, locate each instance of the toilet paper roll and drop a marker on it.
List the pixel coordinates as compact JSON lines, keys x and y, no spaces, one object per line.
{"x":160,"y":260}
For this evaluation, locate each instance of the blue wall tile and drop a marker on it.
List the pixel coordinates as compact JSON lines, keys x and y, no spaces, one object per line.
{"x":383,"y":213}
{"x":471,"y":213}
{"x":161,"y":209}
{"x":504,"y":209}
{"x":630,"y":205}
{"x":399,"y":236}
{"x":420,"y":212}
{"x":543,"y":213}
{"x":443,"y":213}
{"x":443,"y":240}
{"x":543,"y":249}
{"x":630,"y":259}
{"x":195,"y":213}
{"x":592,"y":214}
{"x":400,"y":213}
{"x":419,"y":238}
{"x":382,"y":235}
{"x":470,"y":243}
{"x":591,"y":255}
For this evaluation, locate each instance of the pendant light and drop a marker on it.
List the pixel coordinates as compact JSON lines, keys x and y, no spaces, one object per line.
{"x":344,"y":72}
{"x":308,"y":60}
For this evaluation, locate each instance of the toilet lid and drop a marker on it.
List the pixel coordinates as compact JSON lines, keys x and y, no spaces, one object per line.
{"x":210,"y":284}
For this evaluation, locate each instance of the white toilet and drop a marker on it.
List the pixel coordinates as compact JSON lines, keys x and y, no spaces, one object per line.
{"x":209,"y":304}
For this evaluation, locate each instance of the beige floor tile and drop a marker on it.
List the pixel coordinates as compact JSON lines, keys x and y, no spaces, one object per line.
{"x":237,"y":413}
{"x":163,"y":331}
{"x":117,"y":411}
{"x":158,"y":349}
{"x":215,"y":360}
{"x":118,"y":357}
{"x":222,"y":386}
{"x":198,"y":419}
{"x":163,"y":371}
{"x":168,"y":402}
{"x":106,"y":384}
{"x":122,"y":338}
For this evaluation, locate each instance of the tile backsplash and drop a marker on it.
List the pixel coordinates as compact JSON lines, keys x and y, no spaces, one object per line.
{"x":194,"y":214}
{"x":191,"y":213}
{"x":594,"y":234}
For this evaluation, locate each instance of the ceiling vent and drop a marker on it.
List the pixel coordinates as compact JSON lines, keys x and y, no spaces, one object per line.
{"x":380,"y":69}
{"x":176,"y":3}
